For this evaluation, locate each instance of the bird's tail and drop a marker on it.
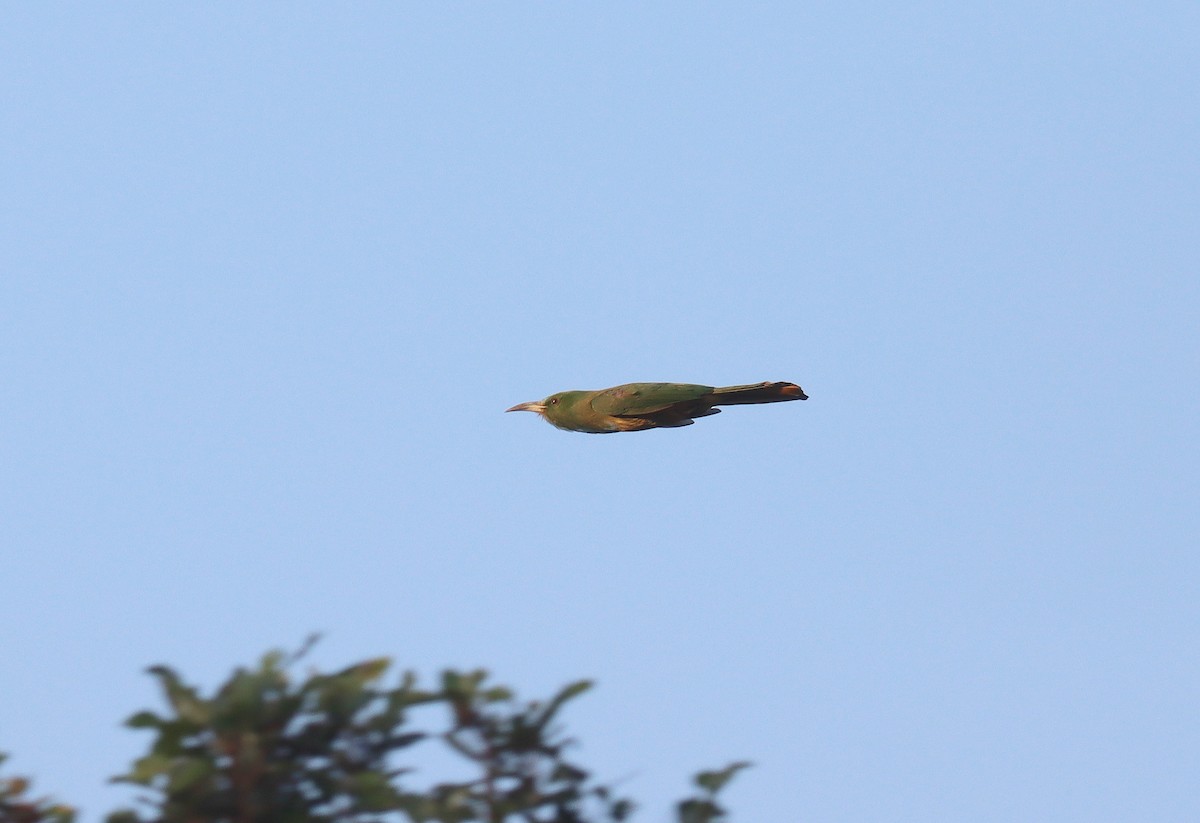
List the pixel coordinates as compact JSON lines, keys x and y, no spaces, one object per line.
{"x":758,"y":393}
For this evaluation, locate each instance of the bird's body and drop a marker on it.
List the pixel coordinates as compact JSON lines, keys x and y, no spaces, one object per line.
{"x":640,"y":406}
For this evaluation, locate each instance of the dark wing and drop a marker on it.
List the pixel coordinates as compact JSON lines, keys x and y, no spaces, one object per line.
{"x":638,"y":399}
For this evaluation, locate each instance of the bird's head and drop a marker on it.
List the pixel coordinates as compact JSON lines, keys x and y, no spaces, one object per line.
{"x":546,"y":408}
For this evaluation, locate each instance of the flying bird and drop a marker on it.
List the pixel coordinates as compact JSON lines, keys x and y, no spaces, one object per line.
{"x":635,"y":407}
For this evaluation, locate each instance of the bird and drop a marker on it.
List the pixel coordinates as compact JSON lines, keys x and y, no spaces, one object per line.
{"x":633,"y":407}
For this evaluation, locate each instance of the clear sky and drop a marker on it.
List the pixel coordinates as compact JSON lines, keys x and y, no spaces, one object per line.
{"x":272,"y":272}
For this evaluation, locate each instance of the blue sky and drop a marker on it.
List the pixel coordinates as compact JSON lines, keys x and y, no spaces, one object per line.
{"x":272,"y":273}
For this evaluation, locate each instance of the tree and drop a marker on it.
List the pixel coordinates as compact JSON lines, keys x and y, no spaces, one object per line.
{"x":16,"y":807}
{"x":329,"y":748}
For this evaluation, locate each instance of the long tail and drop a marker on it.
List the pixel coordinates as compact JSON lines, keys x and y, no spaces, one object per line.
{"x":758,"y":393}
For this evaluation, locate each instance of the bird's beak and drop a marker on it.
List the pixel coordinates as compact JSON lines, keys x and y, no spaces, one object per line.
{"x":538,"y":406}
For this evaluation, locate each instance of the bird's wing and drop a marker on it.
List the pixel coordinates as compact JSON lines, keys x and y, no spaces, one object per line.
{"x":634,"y":399}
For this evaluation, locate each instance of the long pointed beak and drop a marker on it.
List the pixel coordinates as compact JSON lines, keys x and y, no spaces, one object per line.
{"x":538,"y":406}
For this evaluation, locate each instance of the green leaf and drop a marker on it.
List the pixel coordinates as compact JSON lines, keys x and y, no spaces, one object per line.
{"x":369,"y":670}
{"x":497,"y":694}
{"x":374,"y":792}
{"x":699,"y":811}
{"x":183,"y":699}
{"x":564,"y":771}
{"x":569,"y":691}
{"x":622,"y":809}
{"x":186,"y":774}
{"x":715,"y":781}
{"x":61,"y":813}
{"x":144,"y":720}
{"x":465,"y":683}
{"x":145,"y":769}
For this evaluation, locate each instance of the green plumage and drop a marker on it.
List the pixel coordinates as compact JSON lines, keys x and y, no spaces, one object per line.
{"x":645,"y":398}
{"x":640,"y":406}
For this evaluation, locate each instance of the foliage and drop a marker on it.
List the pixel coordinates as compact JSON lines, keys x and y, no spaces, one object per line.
{"x":263,"y":749}
{"x":704,"y":807}
{"x":268,"y":747}
{"x":15,"y":807}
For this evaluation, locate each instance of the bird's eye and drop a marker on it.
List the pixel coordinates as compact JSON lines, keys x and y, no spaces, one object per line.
{"x":553,"y":401}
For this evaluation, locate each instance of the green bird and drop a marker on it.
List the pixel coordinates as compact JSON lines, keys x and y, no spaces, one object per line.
{"x":636,"y":407}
